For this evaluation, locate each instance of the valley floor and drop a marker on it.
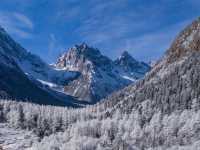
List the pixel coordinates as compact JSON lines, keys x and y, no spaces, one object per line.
{"x":15,"y":139}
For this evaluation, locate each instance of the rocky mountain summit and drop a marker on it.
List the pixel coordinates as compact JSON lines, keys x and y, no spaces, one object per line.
{"x":186,"y":43}
{"x":83,"y":58}
{"x":100,"y":76}
{"x":132,"y":67}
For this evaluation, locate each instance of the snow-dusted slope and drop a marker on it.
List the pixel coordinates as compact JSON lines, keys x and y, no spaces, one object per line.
{"x":173,"y":83}
{"x":31,"y":64}
{"x":23,"y":74}
{"x":100,"y":76}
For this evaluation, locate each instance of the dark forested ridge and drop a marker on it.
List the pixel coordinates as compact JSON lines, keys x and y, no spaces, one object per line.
{"x":14,"y":81}
{"x":173,"y":84}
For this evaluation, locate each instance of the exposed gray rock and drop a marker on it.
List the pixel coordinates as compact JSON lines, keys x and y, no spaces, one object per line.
{"x":100,"y":76}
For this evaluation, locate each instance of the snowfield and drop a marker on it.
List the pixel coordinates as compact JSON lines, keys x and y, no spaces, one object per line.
{"x":15,"y":139}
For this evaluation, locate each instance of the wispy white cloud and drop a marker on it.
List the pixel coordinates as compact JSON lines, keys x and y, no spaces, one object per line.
{"x":52,"y":43}
{"x":54,"y":47}
{"x":110,"y":19}
{"x":143,"y":30}
{"x":17,"y":24}
{"x":24,"y":19}
{"x":67,"y":15}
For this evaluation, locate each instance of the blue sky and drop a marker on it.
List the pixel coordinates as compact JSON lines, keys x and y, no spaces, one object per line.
{"x":145,"y":28}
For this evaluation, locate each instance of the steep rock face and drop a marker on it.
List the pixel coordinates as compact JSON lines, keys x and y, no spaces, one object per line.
{"x":100,"y":76}
{"x":187,"y":41}
{"x":97,"y":77}
{"x":83,"y":58}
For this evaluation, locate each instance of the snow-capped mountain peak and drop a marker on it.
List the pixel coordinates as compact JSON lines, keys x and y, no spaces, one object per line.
{"x":125,"y":60}
{"x":100,"y":75}
{"x":126,"y":56}
{"x":82,"y":58}
{"x":131,"y":65}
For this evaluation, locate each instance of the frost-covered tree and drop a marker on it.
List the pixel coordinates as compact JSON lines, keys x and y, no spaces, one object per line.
{"x":2,"y":116}
{"x":20,"y":116}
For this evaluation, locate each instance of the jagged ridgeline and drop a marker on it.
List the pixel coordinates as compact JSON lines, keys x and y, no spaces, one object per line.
{"x":81,"y":76}
{"x":100,"y":76}
{"x":161,"y":111}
